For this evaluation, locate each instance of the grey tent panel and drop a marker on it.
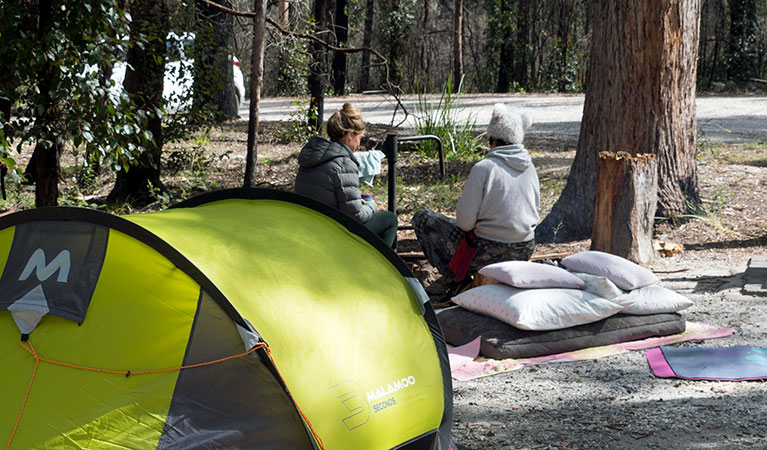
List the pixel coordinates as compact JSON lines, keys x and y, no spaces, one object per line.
{"x":54,"y":263}
{"x":245,"y":404}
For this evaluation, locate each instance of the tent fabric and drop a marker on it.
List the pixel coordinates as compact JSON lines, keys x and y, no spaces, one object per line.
{"x":348,"y":354}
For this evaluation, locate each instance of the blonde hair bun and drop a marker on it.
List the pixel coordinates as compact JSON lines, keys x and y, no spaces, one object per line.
{"x":346,"y":119}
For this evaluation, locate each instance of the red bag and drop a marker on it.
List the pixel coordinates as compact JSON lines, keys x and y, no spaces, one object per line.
{"x":463,"y":255}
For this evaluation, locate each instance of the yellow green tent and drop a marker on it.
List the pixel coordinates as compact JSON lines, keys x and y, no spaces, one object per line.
{"x":238,"y":319}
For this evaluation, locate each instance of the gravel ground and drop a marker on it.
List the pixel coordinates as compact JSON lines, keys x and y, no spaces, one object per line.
{"x":616,"y":402}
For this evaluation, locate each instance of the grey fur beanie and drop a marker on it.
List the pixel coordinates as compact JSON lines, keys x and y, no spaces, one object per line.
{"x":508,"y":125}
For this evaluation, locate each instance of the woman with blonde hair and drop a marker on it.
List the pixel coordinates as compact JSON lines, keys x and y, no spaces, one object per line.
{"x":329,"y":173}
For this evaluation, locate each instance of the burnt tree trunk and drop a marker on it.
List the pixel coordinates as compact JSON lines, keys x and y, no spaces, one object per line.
{"x":640,"y":98}
{"x":507,"y":52}
{"x":367,"y":40}
{"x":339,"y":58}
{"x":318,"y":67}
{"x":256,"y":82}
{"x":422,"y":59}
{"x":457,"y":44}
{"x":743,"y":37}
{"x":144,"y":84}
{"x":522,"y":34}
{"x":563,"y":37}
{"x":624,"y":210}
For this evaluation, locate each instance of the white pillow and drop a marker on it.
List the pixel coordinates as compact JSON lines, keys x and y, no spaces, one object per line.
{"x":599,"y":285}
{"x":526,"y":274}
{"x":536,"y":309}
{"x":652,"y":299}
{"x":624,"y":273}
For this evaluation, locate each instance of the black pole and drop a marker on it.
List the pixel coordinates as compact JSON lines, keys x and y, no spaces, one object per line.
{"x":390,"y":150}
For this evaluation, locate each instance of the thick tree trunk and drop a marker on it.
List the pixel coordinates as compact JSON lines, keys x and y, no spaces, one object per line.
{"x":318,"y":67}
{"x":457,"y":44}
{"x":144,"y":84}
{"x":624,"y":211}
{"x":640,"y":98}
{"x":367,"y":40}
{"x":45,"y":169}
{"x":256,"y":82}
{"x":214,"y":90}
{"x":339,"y":58}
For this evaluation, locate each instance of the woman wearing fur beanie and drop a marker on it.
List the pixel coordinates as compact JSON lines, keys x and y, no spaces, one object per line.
{"x":498,"y":209}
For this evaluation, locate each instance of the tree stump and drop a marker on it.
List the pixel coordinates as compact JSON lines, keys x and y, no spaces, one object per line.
{"x":624,"y":208}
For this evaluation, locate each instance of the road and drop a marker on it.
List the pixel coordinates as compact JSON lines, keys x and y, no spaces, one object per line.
{"x":731,"y":119}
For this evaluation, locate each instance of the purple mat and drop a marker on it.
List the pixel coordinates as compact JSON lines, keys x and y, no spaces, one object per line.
{"x":739,"y":363}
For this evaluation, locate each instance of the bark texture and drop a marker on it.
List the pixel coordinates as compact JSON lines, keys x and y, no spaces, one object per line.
{"x":144,"y":84}
{"x":214,"y":91}
{"x":318,"y":68}
{"x":341,"y":27}
{"x":640,"y":98}
{"x":457,"y":44}
{"x":626,"y":198}
{"x":44,"y":165}
{"x":367,"y":40}
{"x":256,"y":82}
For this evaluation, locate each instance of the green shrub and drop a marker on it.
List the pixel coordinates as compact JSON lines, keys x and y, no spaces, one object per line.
{"x":442,"y":120}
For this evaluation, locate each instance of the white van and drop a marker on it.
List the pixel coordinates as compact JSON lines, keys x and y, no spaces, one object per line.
{"x":178,"y":73}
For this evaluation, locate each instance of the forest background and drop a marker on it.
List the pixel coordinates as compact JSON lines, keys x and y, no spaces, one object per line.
{"x":397,"y":46}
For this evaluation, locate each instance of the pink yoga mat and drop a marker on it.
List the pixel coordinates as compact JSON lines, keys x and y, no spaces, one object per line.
{"x":466,"y":364}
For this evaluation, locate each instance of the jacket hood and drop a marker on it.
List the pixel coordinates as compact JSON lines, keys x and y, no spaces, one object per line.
{"x":514,"y":156}
{"x":319,"y":150}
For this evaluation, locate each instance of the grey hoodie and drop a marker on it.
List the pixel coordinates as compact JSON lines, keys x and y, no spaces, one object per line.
{"x":327,"y":172}
{"x":501,"y":197}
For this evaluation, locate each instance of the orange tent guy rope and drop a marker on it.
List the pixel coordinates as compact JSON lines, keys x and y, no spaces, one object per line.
{"x":23,"y":404}
{"x":306,"y":419}
{"x":29,"y":348}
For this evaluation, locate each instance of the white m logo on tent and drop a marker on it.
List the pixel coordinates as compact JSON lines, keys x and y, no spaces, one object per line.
{"x":37,"y":263}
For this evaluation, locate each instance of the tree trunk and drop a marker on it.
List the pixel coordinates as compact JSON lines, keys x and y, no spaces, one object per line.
{"x":743,"y":25}
{"x":256,"y":82}
{"x":563,"y":35}
{"x":214,"y":92}
{"x":339,"y":58}
{"x":284,"y":8}
{"x":640,"y":98}
{"x":318,"y":67}
{"x":422,"y":60}
{"x":522,"y":35}
{"x":457,"y":44}
{"x":624,"y":211}
{"x":506,"y":58}
{"x":367,"y":40}
{"x":144,"y":84}
{"x":46,"y":170}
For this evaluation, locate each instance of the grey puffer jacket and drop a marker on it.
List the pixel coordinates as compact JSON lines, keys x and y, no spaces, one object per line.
{"x":327,"y":172}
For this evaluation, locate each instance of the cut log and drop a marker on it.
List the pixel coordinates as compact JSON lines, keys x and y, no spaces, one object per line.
{"x":624,"y":208}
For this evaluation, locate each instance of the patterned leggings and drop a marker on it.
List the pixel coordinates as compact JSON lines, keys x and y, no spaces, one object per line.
{"x":439,"y":236}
